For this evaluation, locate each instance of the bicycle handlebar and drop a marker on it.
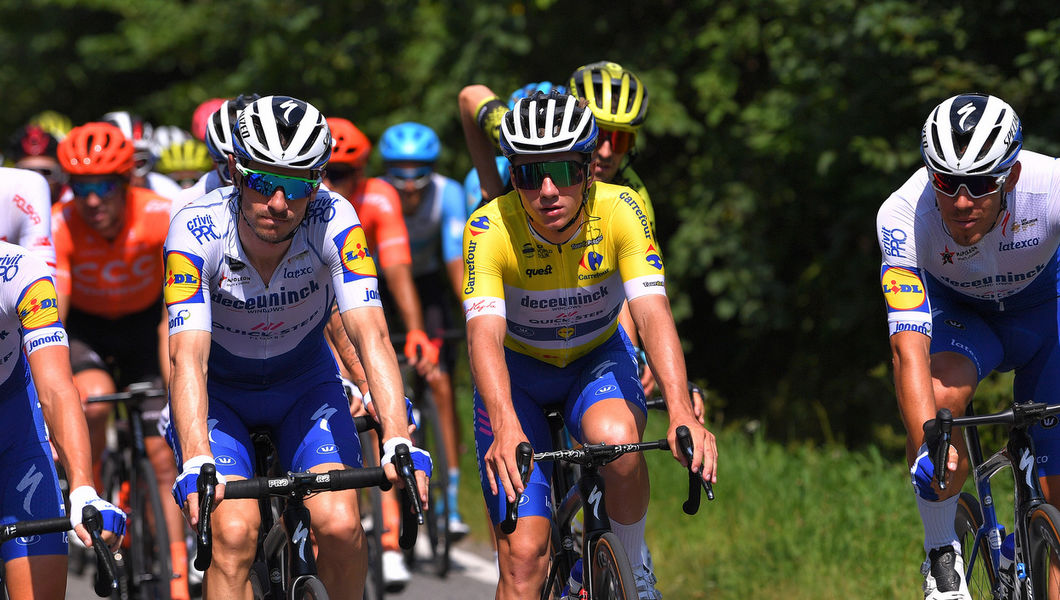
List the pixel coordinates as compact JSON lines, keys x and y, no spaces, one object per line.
{"x":106,"y":579}
{"x":598,"y":455}
{"x":937,"y":431}
{"x":136,"y":392}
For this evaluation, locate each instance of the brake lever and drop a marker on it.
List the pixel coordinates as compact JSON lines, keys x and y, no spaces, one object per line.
{"x":410,"y":519}
{"x":207,"y":487}
{"x":106,"y":579}
{"x":523,"y":454}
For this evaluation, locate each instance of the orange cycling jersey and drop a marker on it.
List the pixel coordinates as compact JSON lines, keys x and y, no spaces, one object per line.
{"x":112,"y":278}
{"x":379,"y":209}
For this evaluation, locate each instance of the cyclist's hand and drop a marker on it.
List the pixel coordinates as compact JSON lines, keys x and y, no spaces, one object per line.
{"x":923,"y":472}
{"x":420,"y":351}
{"x":185,"y":489}
{"x":113,"y":517}
{"x":501,"y":463}
{"x":704,"y":449}
{"x":421,"y":462}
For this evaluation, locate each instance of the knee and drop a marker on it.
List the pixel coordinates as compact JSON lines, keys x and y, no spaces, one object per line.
{"x":953,"y":379}
{"x":235,"y":535}
{"x":527,"y":559}
{"x":612,"y":431}
{"x":339,"y":530}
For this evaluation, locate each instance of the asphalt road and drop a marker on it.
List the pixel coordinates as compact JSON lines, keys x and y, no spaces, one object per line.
{"x":473,"y":576}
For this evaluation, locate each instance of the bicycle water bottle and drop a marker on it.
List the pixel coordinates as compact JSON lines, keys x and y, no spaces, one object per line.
{"x":1008,"y":553}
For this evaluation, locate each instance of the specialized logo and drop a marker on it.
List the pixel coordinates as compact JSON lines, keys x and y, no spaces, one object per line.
{"x":594,"y":499}
{"x":9,"y":266}
{"x":598,"y":370}
{"x":479,"y":225}
{"x":902,"y":288}
{"x":323,"y":414}
{"x":965,"y":112}
{"x":37,"y":306}
{"x":29,"y":482}
{"x":591,"y":261}
{"x":183,"y":278}
{"x":1026,"y":462}
{"x":356,"y":260}
{"x":301,"y":534}
{"x":653,"y":258}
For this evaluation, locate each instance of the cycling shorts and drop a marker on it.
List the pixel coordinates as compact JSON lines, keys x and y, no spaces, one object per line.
{"x":1023,"y":341}
{"x":607,"y":371}
{"x":308,"y":419}
{"x":29,"y":487}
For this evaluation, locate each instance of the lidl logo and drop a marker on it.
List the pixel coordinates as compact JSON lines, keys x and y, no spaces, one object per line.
{"x":356,"y":260}
{"x":183,"y":278}
{"x":903,"y":288}
{"x":479,"y":225}
{"x":37,"y":306}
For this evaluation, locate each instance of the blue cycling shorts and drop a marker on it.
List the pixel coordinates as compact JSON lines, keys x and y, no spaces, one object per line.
{"x":29,"y":487}
{"x":308,"y":419}
{"x":608,"y":371}
{"x":1023,"y":341}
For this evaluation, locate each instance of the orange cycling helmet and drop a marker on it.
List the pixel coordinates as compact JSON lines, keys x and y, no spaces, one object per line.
{"x":96,"y":149}
{"x":349,"y":144}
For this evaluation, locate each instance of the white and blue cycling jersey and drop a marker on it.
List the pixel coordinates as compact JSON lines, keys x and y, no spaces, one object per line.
{"x":209,"y":182}
{"x":995,"y":301}
{"x":29,"y":322}
{"x":436,"y":229}
{"x":270,"y":365}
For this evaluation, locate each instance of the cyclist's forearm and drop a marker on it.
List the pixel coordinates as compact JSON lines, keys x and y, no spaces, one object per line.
{"x":663,"y":349}
{"x":344,"y":351}
{"x":912,"y":381}
{"x":478,"y":144}
{"x":366,"y":328}
{"x":399,"y":280}
{"x":489,"y":371}
{"x":188,"y":402}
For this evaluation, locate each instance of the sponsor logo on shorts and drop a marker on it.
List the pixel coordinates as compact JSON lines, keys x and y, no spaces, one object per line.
{"x":225,"y":460}
{"x":28,"y":541}
{"x":606,"y":389}
{"x":328,"y":449}
{"x":954,"y":323}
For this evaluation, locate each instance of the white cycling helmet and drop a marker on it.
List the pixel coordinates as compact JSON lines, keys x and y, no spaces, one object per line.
{"x":222,"y":123}
{"x":284,"y":132}
{"x":139,"y":132}
{"x":971,"y":134}
{"x":547,"y":123}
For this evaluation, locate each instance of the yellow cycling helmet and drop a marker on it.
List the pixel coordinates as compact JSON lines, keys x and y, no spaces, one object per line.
{"x":615,"y":95}
{"x":53,"y":123}
{"x":186,"y":155}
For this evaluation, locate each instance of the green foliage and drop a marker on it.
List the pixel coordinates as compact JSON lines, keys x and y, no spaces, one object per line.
{"x":776,"y":129}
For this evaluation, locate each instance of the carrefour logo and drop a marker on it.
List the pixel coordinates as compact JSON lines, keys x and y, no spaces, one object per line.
{"x":183,"y":278}
{"x":903,"y":288}
{"x":591,"y":261}
{"x":479,"y":225}
{"x":653,"y":257}
{"x":356,"y":260}
{"x":37,"y":306}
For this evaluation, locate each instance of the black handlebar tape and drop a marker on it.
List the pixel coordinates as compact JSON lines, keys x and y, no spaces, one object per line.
{"x":206,"y":486}
{"x":411,"y":508}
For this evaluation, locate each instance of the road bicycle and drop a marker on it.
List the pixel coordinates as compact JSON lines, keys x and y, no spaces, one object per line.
{"x":106,"y":579}
{"x":285,"y":563}
{"x":129,"y":481}
{"x":606,"y":571}
{"x":1034,"y":568}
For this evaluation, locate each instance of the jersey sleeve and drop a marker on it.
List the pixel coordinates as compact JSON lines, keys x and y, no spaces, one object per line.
{"x":345,"y":251}
{"x":484,"y":249}
{"x":188,"y":272}
{"x":37,"y":305}
{"x":454,"y":216}
{"x":902,"y":282}
{"x":639,"y":260}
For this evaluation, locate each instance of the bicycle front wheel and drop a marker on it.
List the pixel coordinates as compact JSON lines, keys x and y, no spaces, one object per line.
{"x":429,"y":436}
{"x":1044,"y":552}
{"x":610,"y":575}
{"x":309,"y":588}
{"x":980,"y":573}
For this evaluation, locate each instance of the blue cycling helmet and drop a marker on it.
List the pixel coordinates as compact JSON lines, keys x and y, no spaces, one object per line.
{"x":528,"y":90}
{"x":409,"y":141}
{"x":473,"y":187}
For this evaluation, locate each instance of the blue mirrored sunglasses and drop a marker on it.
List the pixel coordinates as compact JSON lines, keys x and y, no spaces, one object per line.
{"x":101,"y":188}
{"x":266,"y":183}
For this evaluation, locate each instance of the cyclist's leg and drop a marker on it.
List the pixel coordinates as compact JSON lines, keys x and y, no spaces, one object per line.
{"x":318,"y":434}
{"x":235,"y":522}
{"x":523,"y":555}
{"x":29,"y":489}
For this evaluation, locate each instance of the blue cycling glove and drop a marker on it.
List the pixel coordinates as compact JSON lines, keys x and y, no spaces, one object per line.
{"x":113,"y":517}
{"x":188,"y":480}
{"x":421,"y":459}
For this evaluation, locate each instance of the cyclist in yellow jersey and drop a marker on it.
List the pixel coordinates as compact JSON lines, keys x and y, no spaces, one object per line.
{"x":547,"y":268}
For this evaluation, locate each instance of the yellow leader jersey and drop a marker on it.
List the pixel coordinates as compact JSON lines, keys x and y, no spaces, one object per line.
{"x":560,"y":300}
